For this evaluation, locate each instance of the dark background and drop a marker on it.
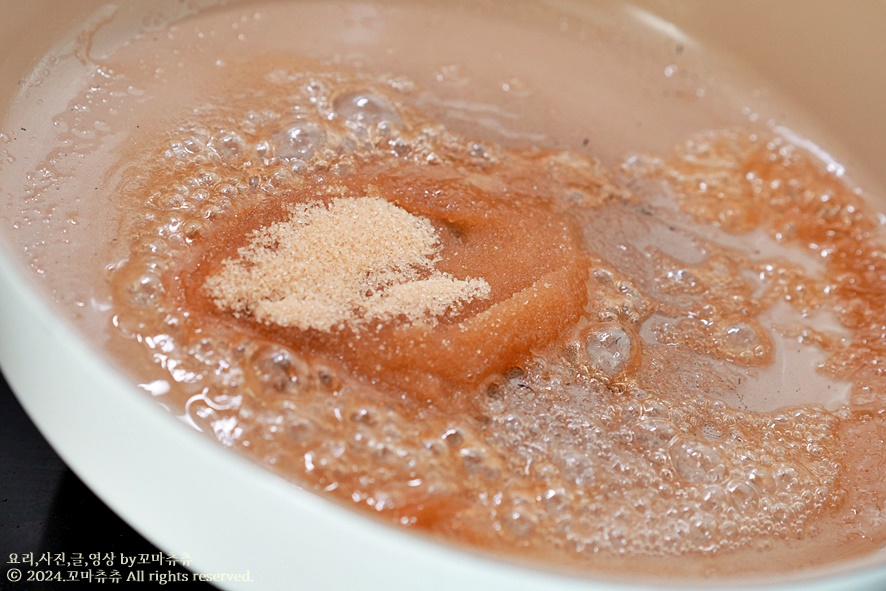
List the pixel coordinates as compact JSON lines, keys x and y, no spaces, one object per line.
{"x":44,"y":507}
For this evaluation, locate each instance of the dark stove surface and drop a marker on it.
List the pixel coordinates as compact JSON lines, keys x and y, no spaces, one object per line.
{"x":51,"y":523}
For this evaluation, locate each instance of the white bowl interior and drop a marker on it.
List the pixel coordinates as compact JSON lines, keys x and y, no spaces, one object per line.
{"x":190,"y":496}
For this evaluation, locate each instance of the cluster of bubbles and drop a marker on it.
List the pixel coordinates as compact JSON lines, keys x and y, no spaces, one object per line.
{"x":559,"y":458}
{"x":642,"y":471}
{"x":230,"y":160}
{"x":567,"y":453}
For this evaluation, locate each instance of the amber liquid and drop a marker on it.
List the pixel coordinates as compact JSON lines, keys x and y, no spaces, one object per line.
{"x":678,"y":373}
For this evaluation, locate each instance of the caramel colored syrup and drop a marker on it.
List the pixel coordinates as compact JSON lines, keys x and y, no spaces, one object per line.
{"x":742,"y":182}
{"x":509,"y":234}
{"x":603,"y":407}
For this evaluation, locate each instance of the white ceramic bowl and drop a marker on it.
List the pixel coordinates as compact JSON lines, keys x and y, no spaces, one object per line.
{"x":188,"y":495}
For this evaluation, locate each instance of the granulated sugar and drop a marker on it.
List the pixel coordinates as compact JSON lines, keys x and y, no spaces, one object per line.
{"x":348,"y":262}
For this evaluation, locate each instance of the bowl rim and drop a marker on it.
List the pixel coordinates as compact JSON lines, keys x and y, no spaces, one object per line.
{"x":100,"y":424}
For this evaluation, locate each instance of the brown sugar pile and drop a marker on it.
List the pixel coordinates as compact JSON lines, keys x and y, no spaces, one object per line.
{"x":342,"y":264}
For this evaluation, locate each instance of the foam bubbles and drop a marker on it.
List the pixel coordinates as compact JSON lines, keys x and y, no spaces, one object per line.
{"x":610,"y":444}
{"x":365,"y":109}
{"x":653,"y":434}
{"x":145,"y":290}
{"x":299,"y":141}
{"x":696,"y":461}
{"x":227,"y":145}
{"x":608,"y":348}
{"x":276,"y":370}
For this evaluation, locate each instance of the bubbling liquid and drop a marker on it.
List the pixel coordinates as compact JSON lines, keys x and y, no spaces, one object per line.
{"x":610,"y":392}
{"x":579,"y":411}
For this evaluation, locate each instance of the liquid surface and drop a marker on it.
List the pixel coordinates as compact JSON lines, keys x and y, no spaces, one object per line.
{"x":557,"y":353}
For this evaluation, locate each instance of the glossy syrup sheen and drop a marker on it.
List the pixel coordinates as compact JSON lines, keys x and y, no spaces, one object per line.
{"x":628,"y":397}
